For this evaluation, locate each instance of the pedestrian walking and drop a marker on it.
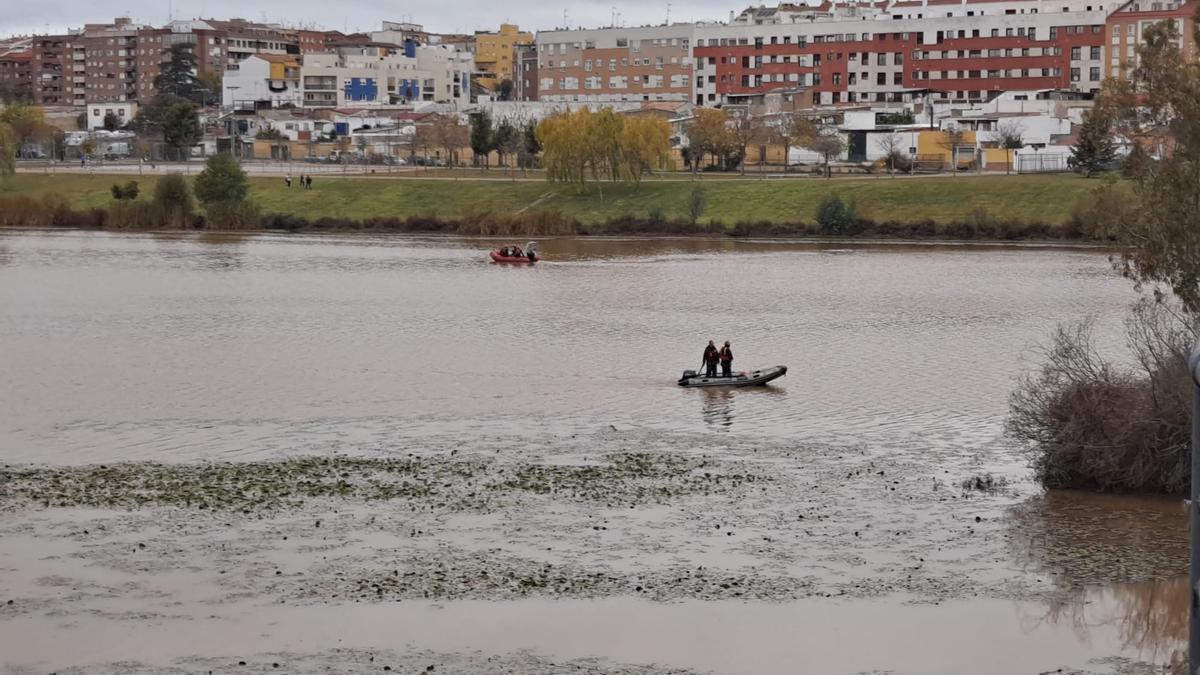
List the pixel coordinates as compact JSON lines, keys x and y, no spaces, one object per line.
{"x":287,"y":180}
{"x":308,"y":182}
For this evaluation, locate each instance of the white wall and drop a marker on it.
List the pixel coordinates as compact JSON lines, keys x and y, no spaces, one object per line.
{"x":251,"y":82}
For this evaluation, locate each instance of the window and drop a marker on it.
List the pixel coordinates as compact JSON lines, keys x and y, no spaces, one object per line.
{"x":1094,"y":74}
{"x":1074,"y":74}
{"x":1075,"y":53}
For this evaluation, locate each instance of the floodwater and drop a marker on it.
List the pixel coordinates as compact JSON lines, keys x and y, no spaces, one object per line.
{"x":859,"y":548}
{"x":180,"y":348}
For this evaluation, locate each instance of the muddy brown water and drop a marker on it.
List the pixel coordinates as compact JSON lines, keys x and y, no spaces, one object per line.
{"x":181,"y":348}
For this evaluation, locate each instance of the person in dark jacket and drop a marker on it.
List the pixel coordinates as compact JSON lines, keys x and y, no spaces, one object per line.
{"x":711,"y":357}
{"x":726,"y":355}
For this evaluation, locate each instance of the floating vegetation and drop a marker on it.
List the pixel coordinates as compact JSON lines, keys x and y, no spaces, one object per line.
{"x":454,"y":575}
{"x":450,"y":484}
{"x":985,"y":483}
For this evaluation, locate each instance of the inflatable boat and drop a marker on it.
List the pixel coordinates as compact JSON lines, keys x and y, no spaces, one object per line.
{"x":751,"y":378}
{"x":515,"y":254}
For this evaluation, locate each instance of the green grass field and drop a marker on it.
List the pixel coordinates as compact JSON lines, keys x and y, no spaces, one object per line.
{"x":1046,"y":198}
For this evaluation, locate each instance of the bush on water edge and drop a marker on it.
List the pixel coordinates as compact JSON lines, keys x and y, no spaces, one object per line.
{"x":1090,"y":424}
{"x":20,"y":211}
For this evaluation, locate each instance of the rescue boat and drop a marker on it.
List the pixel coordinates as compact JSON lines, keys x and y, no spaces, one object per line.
{"x":526,"y":256}
{"x":751,"y":378}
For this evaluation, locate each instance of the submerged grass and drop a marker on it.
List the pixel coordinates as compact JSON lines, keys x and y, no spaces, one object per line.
{"x":424,"y":482}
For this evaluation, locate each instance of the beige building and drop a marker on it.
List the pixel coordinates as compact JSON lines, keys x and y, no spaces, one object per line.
{"x":494,"y":53}
{"x":623,"y":64}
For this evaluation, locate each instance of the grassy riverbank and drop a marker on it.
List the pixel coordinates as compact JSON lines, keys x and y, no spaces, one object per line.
{"x":1045,"y":199}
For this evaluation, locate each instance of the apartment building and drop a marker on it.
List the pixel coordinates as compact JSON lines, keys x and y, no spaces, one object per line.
{"x":847,"y":52}
{"x":616,"y":64}
{"x":494,"y":53}
{"x":967,"y":51}
{"x":525,"y":76}
{"x":56,"y":77}
{"x":1127,"y":25}
{"x":16,"y":68}
{"x":363,"y":75}
{"x":244,"y":39}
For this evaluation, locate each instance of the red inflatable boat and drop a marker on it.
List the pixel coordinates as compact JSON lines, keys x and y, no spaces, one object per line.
{"x":515,"y":254}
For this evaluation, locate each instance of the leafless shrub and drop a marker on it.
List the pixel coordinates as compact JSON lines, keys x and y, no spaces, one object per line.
{"x":1090,"y":424}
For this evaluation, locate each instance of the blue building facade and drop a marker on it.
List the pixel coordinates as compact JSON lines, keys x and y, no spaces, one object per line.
{"x":361,"y":89}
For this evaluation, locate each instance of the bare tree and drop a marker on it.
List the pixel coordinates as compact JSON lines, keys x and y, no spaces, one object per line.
{"x":952,"y":138}
{"x":892,"y":145}
{"x":792,"y":130}
{"x":1011,"y":135}
{"x":829,"y":144}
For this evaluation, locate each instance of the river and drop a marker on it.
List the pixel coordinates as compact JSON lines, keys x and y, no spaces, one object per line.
{"x":184,"y":348}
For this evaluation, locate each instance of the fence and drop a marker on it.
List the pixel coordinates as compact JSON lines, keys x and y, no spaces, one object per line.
{"x":1042,"y":164}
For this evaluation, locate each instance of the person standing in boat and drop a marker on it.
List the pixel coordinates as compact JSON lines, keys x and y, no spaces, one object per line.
{"x":726,"y":356}
{"x":711,"y":357}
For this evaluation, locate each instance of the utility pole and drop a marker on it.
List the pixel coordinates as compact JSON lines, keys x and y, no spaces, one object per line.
{"x":668,"y":14}
{"x":1194,"y":507}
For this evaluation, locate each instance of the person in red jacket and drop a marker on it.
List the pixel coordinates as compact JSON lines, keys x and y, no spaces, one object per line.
{"x":711,"y":356}
{"x":726,"y":355}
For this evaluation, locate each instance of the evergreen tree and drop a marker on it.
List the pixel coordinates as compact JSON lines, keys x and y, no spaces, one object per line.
{"x":222,"y":181}
{"x":506,"y":139}
{"x":1094,"y":150}
{"x":180,"y":127}
{"x":481,"y":135}
{"x":177,"y":77}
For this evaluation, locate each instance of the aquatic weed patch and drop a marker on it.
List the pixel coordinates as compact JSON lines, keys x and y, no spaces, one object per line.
{"x":630,"y":478}
{"x":454,"y":574}
{"x":250,"y":485}
{"x":428,"y":482}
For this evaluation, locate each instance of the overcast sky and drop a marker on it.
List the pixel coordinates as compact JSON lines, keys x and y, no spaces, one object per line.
{"x":446,"y":16}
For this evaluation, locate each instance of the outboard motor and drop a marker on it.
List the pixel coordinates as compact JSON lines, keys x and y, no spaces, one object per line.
{"x":688,"y":374}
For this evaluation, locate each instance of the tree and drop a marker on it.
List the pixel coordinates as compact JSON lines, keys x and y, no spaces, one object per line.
{"x":8,"y":150}
{"x":126,"y":192}
{"x":707,"y":133}
{"x":177,"y":76}
{"x":173,"y":199}
{"x":448,"y":134}
{"x":835,"y":217}
{"x":530,"y":146}
{"x":1161,"y":239}
{"x":222,"y":181}
{"x":181,"y":128}
{"x":1094,"y":151}
{"x":506,"y":139}
{"x":505,"y":90}
{"x":211,"y":84}
{"x":111,"y":121}
{"x":697,"y":202}
{"x":565,"y":146}
{"x":1012,"y":137}
{"x":645,"y":143}
{"x":744,"y":129}
{"x":25,"y":119}
{"x":792,"y":130}
{"x":481,"y":136}
{"x":828,"y":143}
{"x":892,"y":145}
{"x":952,"y":139}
